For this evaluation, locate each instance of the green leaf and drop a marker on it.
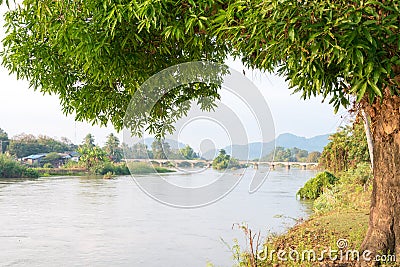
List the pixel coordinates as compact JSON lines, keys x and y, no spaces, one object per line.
{"x":361,"y":92}
{"x":375,"y":88}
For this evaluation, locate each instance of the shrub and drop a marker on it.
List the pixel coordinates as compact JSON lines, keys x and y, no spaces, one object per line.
{"x":113,"y":168}
{"x":315,"y":186}
{"x":9,"y":168}
{"x":47,"y":166}
{"x":144,"y":168}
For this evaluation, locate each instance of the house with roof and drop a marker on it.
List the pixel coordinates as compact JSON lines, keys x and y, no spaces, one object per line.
{"x":33,"y":159}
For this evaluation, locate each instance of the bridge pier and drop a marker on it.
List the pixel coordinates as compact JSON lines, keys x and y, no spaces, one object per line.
{"x":272,"y":167}
{"x":288,"y":166}
{"x":304,"y":167}
{"x":255,"y":166}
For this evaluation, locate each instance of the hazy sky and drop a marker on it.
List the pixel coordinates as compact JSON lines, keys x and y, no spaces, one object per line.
{"x":26,"y":111}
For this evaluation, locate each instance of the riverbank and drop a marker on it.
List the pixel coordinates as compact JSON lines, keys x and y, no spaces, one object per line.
{"x":108,"y":170}
{"x":329,"y":237}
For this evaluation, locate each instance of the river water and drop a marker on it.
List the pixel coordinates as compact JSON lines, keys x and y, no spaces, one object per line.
{"x":83,"y":221}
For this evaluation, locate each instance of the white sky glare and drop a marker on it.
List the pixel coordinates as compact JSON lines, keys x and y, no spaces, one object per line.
{"x":23,"y":110}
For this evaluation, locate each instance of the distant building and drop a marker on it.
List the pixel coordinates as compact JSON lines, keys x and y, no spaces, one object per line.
{"x":74,"y":155}
{"x":33,"y":159}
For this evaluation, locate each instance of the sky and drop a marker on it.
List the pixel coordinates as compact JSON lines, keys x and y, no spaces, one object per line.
{"x":23,"y":110}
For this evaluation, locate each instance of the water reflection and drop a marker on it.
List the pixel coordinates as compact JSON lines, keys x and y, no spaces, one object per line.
{"x":96,"y":222}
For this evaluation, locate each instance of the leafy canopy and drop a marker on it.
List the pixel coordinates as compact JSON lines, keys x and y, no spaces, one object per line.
{"x":341,"y":49}
{"x":96,"y":54}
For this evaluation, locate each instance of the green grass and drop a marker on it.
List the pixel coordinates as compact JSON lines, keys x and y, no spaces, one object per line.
{"x":341,"y":212}
{"x":145,"y":168}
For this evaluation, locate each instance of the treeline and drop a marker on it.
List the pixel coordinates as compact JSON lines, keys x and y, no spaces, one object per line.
{"x":160,"y":149}
{"x":292,"y":155}
{"x":27,"y":144}
{"x":347,"y":148}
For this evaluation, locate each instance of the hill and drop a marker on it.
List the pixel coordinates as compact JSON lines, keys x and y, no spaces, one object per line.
{"x":257,"y":149}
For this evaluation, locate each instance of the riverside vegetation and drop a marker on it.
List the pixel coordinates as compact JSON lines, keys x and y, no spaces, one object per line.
{"x":341,"y":199}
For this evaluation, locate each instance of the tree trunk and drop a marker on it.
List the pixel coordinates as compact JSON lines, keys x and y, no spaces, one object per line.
{"x":383,"y":234}
{"x":368,"y":134}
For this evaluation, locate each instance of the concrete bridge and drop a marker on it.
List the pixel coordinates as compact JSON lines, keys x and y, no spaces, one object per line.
{"x":208,"y":163}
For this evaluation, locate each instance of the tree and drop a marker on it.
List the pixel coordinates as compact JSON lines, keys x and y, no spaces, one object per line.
{"x":348,"y":52}
{"x":346,"y":149}
{"x":3,"y":141}
{"x":88,"y":141}
{"x":187,"y":152}
{"x":224,"y":161}
{"x":92,"y":158}
{"x":160,"y":149}
{"x":53,"y":158}
{"x":313,"y":156}
{"x":27,"y":144}
{"x":112,"y":148}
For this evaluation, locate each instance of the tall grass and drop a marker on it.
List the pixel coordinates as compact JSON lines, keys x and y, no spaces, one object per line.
{"x":145,"y":168}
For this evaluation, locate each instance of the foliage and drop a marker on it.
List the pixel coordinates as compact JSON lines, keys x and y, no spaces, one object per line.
{"x":3,"y":141}
{"x":48,"y":166}
{"x":113,"y":168}
{"x":51,"y":158}
{"x":314,"y":187}
{"x":88,"y":141}
{"x":96,"y":54}
{"x":313,"y":156}
{"x":112,"y":148}
{"x":104,"y":50}
{"x":160,"y":149}
{"x":347,"y":148}
{"x":26,"y":144}
{"x":92,"y":158}
{"x":9,"y":168}
{"x":137,"y":151}
{"x":338,"y":49}
{"x":188,"y":153}
{"x":351,"y":191}
{"x":224,"y":161}
{"x":145,"y":168}
{"x":295,"y":154}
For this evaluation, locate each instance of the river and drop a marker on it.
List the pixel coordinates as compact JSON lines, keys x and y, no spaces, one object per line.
{"x":83,"y":221}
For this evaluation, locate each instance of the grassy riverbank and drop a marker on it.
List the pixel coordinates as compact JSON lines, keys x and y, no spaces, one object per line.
{"x":108,"y":170}
{"x":339,"y":224}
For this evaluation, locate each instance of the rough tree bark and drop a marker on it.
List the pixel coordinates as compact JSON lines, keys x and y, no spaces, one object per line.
{"x":383,"y":233}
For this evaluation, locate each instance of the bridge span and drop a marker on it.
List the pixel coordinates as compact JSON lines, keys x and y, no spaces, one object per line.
{"x":208,"y":163}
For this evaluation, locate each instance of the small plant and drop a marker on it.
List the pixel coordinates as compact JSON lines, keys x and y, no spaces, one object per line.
{"x":48,"y":166}
{"x":315,"y":186}
{"x":108,"y":175}
{"x":249,"y":257}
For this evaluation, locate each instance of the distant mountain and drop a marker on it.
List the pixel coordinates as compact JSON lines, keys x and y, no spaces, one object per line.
{"x":316,"y":143}
{"x":258,"y":149}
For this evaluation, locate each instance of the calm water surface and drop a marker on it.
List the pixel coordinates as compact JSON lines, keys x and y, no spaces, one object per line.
{"x":71,"y":221}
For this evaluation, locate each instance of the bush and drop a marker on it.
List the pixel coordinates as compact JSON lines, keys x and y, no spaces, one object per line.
{"x":9,"y":168}
{"x":113,"y":168}
{"x":145,"y":168}
{"x":47,"y":166}
{"x":352,"y":191}
{"x":315,"y":186}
